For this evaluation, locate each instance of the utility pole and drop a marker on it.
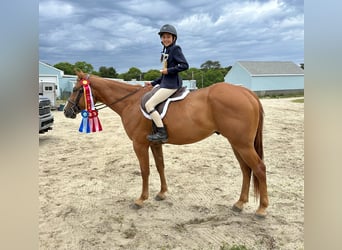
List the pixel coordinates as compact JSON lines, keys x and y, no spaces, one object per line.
{"x":202,"y":79}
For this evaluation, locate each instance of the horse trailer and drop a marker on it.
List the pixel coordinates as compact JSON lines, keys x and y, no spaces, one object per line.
{"x":48,"y":88}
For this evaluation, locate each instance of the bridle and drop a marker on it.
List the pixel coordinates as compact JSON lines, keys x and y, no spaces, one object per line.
{"x":75,"y":108}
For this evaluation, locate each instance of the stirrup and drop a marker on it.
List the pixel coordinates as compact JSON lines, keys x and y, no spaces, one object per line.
{"x":160,"y":135}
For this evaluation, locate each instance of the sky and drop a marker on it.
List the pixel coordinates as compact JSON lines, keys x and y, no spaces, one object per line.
{"x":124,"y":34}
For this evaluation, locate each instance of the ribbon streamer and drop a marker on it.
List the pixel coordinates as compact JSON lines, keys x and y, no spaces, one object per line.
{"x":85,"y":126}
{"x":90,"y":120}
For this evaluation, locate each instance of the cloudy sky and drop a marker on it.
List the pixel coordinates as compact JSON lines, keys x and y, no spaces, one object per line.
{"x":123,"y":34}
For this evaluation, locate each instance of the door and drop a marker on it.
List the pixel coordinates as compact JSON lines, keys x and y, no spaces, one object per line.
{"x":49,"y":91}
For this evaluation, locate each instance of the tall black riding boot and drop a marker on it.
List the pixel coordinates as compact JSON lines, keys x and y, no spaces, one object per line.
{"x":161,"y":135}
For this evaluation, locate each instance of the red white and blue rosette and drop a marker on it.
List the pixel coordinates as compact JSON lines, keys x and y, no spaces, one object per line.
{"x":85,"y":126}
{"x":90,"y":120}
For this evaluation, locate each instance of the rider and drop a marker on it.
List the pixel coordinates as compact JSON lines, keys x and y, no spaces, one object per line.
{"x":169,"y":81}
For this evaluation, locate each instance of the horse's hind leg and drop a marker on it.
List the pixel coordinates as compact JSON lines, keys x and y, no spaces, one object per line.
{"x":157,"y":151}
{"x":251,"y":158}
{"x":246,"y":174}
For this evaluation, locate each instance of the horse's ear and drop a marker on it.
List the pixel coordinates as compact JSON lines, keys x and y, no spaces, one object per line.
{"x":78,"y":72}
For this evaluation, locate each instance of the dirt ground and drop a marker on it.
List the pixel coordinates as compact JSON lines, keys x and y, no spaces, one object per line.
{"x":88,"y":183}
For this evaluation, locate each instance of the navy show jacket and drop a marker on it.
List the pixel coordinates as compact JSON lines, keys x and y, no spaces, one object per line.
{"x":176,"y":63}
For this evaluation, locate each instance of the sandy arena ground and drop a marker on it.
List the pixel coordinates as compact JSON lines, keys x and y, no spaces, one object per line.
{"x":88,"y":183}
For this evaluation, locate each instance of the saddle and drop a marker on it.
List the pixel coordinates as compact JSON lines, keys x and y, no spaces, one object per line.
{"x":163,"y":106}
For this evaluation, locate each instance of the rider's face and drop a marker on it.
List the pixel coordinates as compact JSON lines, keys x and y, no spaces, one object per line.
{"x":167,"y":39}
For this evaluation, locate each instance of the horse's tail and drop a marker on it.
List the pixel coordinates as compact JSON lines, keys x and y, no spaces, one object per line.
{"x":258,"y":145}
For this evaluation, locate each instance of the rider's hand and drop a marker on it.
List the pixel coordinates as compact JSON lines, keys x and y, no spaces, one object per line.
{"x":148,"y":84}
{"x":163,"y":71}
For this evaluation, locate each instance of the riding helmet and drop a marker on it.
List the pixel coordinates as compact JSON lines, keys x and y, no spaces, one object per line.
{"x":167,"y":28}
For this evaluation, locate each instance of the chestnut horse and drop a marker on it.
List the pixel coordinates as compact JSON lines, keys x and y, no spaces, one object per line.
{"x":232,"y":111}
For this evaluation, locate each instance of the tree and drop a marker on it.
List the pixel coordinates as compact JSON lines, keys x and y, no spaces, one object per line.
{"x":67,"y":68}
{"x":107,"y":72}
{"x":85,"y":67}
{"x":151,"y":75}
{"x":133,"y":73}
{"x":189,"y":74}
{"x":211,"y":65}
{"x":212,"y":76}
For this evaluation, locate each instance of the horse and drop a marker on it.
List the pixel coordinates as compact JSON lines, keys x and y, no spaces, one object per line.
{"x":232,"y":111}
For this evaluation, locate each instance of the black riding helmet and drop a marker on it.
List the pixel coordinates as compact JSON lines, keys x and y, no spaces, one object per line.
{"x":167,"y":28}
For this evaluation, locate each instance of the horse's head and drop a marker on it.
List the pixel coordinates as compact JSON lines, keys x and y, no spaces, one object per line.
{"x":76,"y":100}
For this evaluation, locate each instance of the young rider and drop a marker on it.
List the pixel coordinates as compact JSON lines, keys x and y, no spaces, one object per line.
{"x":169,"y":81}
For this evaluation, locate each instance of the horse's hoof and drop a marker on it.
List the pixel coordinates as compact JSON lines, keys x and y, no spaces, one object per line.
{"x":260,"y":213}
{"x":236,"y":209}
{"x":136,"y":206}
{"x":160,"y":197}
{"x":260,"y":216}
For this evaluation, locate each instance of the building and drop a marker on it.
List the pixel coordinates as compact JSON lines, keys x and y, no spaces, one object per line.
{"x":267,"y":77}
{"x":49,"y":80}
{"x":67,"y":83}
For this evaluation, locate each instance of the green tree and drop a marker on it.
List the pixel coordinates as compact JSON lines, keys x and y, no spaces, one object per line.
{"x":211,"y":65}
{"x":224,"y":71}
{"x":212,"y":76}
{"x":67,"y":68}
{"x":85,"y":67}
{"x":192,"y":74}
{"x":133,"y":73}
{"x":189,"y":74}
{"x":107,"y":72}
{"x":151,"y":74}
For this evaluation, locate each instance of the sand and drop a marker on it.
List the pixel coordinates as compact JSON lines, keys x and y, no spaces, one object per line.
{"x":88,"y":183}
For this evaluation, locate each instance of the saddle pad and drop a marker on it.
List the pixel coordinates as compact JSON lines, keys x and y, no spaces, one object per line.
{"x":162,"y":107}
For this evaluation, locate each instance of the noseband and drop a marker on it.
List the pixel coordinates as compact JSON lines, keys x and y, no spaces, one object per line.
{"x":75,"y":108}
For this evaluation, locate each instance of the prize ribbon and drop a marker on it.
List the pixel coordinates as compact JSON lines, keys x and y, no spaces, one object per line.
{"x":84,"y":127}
{"x":90,"y":120}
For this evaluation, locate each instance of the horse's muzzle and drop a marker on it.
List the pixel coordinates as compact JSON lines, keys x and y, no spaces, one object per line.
{"x":69,"y":113}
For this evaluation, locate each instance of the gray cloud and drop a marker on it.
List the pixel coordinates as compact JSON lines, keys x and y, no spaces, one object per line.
{"x":123,"y":34}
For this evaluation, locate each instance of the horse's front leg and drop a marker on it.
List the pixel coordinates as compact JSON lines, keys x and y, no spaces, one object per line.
{"x":141,"y":151}
{"x":157,"y":150}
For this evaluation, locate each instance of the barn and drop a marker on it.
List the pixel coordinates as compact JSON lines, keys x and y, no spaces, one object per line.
{"x":268,"y":77}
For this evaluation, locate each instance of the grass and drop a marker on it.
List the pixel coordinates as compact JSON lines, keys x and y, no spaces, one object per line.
{"x":282,"y":96}
{"x":298,"y":100}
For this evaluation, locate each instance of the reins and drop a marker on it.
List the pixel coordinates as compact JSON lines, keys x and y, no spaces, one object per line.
{"x":102,"y":105}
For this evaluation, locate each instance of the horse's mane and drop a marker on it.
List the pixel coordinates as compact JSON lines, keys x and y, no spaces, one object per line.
{"x":111,"y":80}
